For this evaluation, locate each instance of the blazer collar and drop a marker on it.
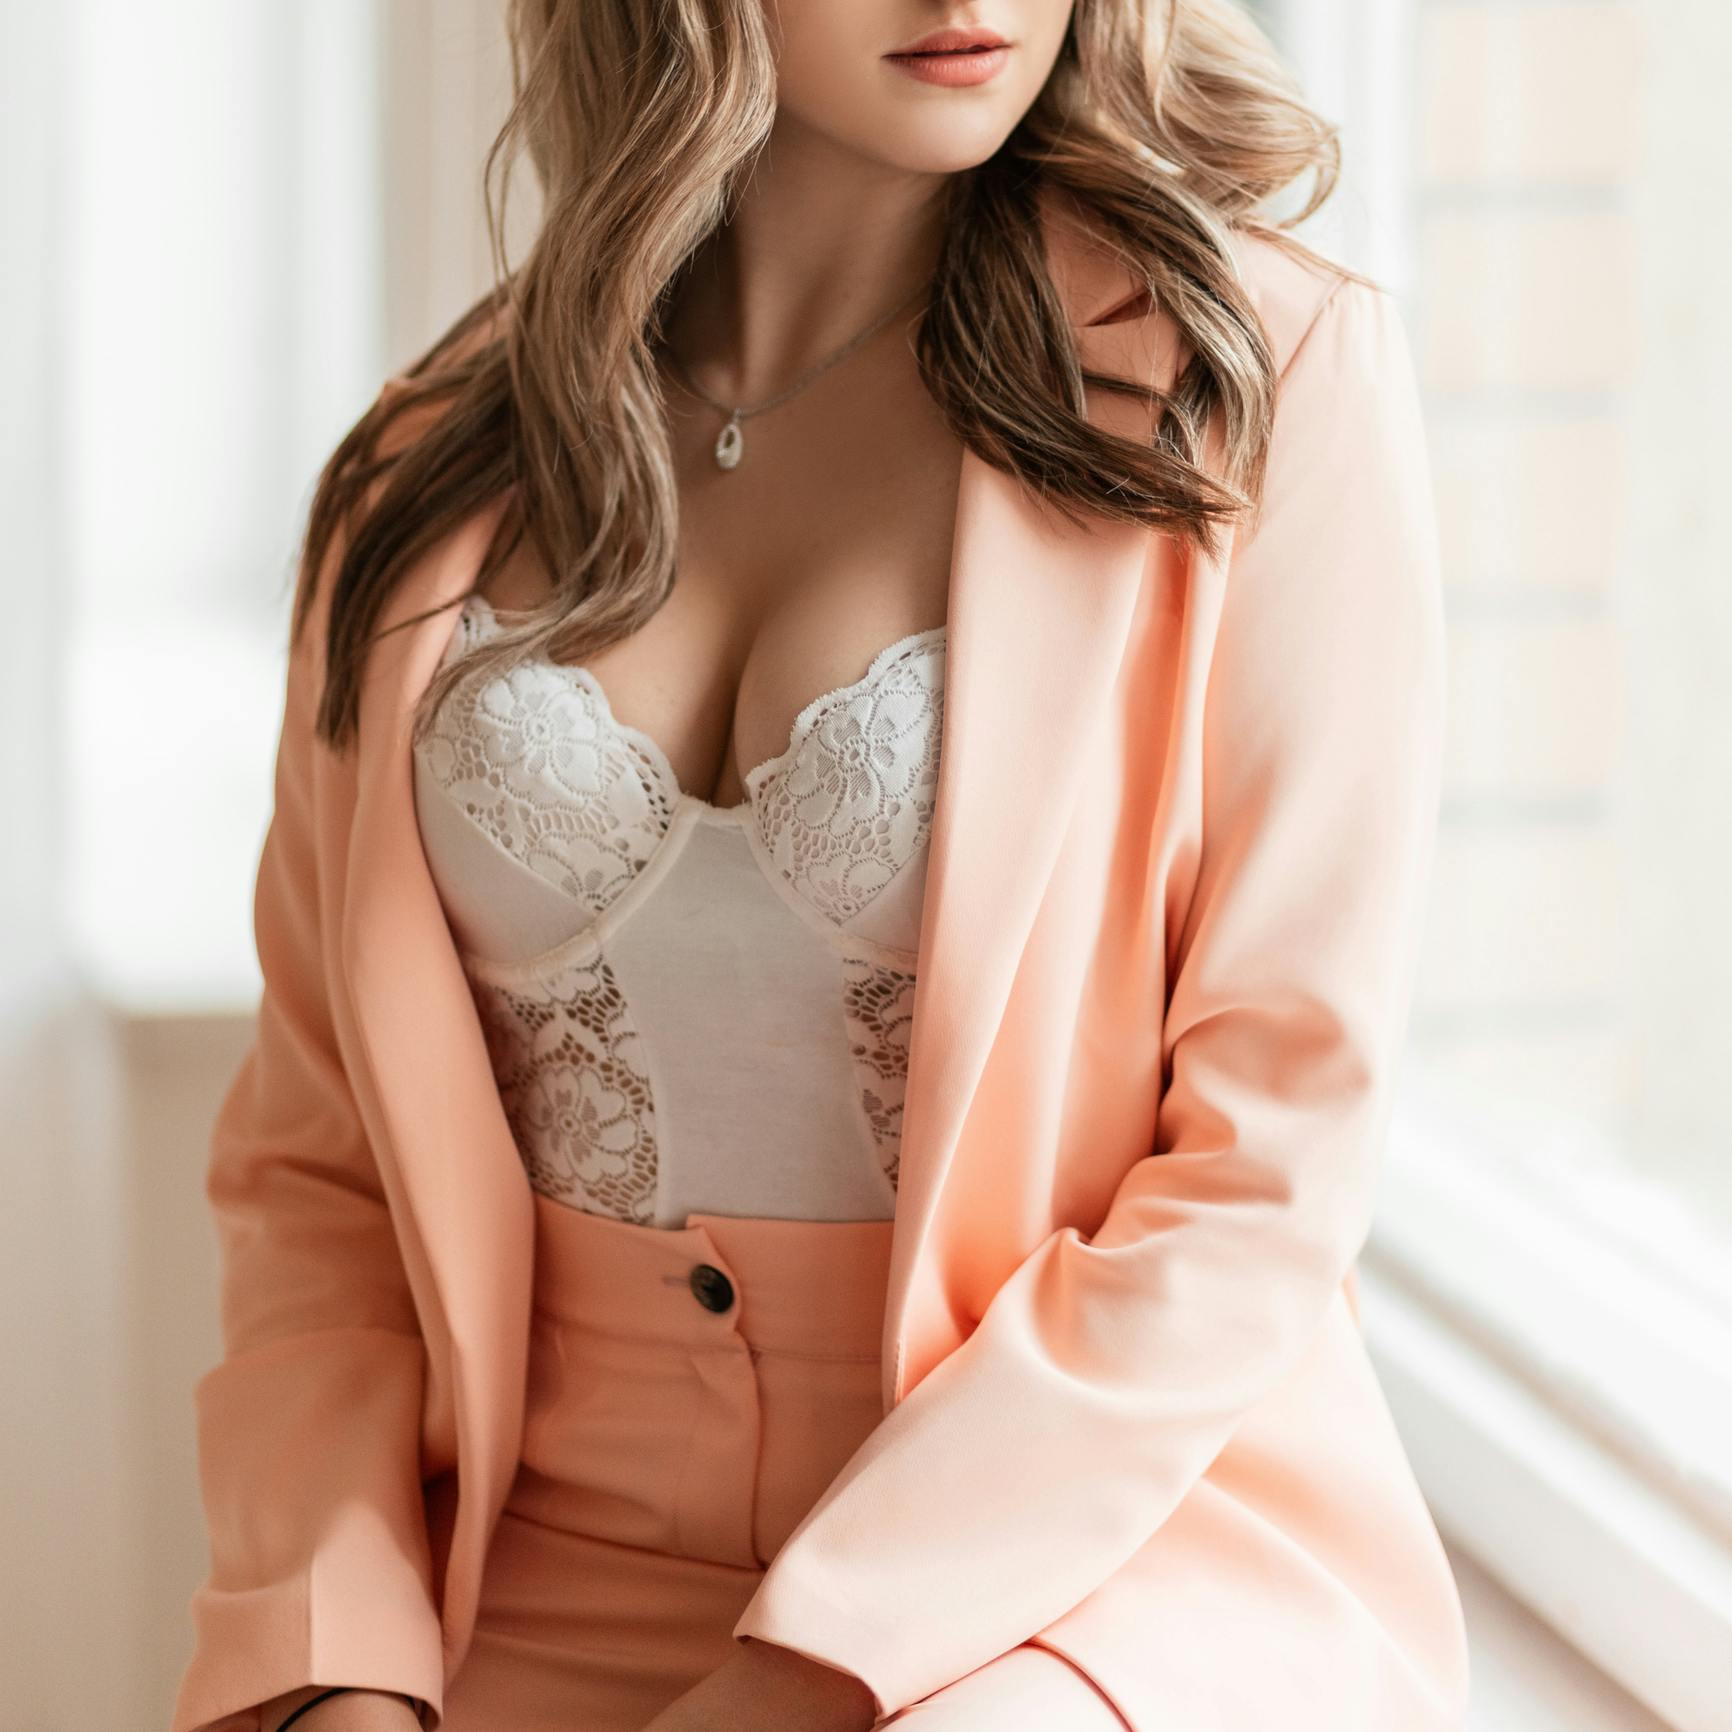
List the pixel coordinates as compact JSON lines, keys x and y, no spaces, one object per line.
{"x":1038,"y":615}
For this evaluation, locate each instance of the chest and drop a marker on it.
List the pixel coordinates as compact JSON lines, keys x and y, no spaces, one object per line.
{"x":830,"y":541}
{"x":655,"y":945}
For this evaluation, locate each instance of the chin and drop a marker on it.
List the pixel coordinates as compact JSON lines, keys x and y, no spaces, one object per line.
{"x":931,"y":144}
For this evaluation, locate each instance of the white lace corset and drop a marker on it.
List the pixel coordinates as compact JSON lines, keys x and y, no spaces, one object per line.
{"x":690,"y":1007}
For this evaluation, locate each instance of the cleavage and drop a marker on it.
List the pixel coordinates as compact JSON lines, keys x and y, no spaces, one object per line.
{"x":605,"y":663}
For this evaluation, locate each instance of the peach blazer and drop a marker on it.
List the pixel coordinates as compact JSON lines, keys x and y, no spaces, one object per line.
{"x":1184,"y":823}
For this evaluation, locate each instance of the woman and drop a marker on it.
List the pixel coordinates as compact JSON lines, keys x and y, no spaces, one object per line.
{"x":752,"y":1209}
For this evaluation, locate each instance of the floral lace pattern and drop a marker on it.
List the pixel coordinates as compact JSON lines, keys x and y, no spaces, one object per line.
{"x":571,"y":1077}
{"x":535,"y":762}
{"x":879,"y":1005}
{"x":848,"y":806}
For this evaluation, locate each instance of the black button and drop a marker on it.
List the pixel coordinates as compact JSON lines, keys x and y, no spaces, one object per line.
{"x":715,"y":1292}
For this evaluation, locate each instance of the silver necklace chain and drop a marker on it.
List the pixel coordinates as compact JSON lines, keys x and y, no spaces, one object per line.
{"x":730,"y":444}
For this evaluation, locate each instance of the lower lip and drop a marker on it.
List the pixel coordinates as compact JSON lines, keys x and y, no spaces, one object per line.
{"x":974,"y":67}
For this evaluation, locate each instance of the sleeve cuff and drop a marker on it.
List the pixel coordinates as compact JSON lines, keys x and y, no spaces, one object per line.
{"x":797,"y":1615}
{"x":255,"y":1648}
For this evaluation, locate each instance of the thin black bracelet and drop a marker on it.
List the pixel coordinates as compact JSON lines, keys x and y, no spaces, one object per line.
{"x":340,"y":1689}
{"x":313,"y":1702}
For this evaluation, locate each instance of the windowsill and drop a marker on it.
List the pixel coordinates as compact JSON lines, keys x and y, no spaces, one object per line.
{"x":1564,"y":1390}
{"x":1526,"y":1678}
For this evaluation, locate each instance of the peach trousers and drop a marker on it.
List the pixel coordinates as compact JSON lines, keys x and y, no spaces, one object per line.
{"x":691,"y":1392}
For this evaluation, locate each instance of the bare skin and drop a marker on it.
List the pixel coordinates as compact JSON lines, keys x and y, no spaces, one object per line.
{"x":833,"y":536}
{"x":353,"y":1711}
{"x":830,"y":540}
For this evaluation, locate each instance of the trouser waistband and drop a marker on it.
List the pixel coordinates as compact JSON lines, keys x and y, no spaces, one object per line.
{"x":787,"y":1286}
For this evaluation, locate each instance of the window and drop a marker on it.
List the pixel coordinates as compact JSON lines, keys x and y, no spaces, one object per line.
{"x":234,"y":169}
{"x":223,"y":175}
{"x":1540,"y":182}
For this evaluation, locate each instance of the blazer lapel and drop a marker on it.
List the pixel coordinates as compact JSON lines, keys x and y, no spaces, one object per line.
{"x":1039,"y":613}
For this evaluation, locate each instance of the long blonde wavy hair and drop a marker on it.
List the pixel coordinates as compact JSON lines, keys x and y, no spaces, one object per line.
{"x":1167,"y":123}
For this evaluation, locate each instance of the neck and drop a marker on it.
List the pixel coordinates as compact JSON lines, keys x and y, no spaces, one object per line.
{"x":820,"y":243}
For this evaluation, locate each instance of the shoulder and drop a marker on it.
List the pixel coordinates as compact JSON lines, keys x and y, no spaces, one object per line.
{"x":405,"y":409}
{"x":1291,"y":289}
{"x":411,"y":402}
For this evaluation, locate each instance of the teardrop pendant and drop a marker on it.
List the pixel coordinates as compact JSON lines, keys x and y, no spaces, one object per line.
{"x":730,"y":444}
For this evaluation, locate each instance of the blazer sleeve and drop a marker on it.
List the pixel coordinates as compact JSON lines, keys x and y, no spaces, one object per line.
{"x":308,"y":1427}
{"x":1108,"y":1371}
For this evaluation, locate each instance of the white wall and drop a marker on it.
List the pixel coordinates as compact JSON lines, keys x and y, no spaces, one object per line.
{"x":67,"y":1647}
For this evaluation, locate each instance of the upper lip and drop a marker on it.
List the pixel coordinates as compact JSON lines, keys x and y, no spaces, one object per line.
{"x":952,"y":41}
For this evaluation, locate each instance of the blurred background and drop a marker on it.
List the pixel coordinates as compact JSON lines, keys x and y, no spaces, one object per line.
{"x":224,"y":225}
